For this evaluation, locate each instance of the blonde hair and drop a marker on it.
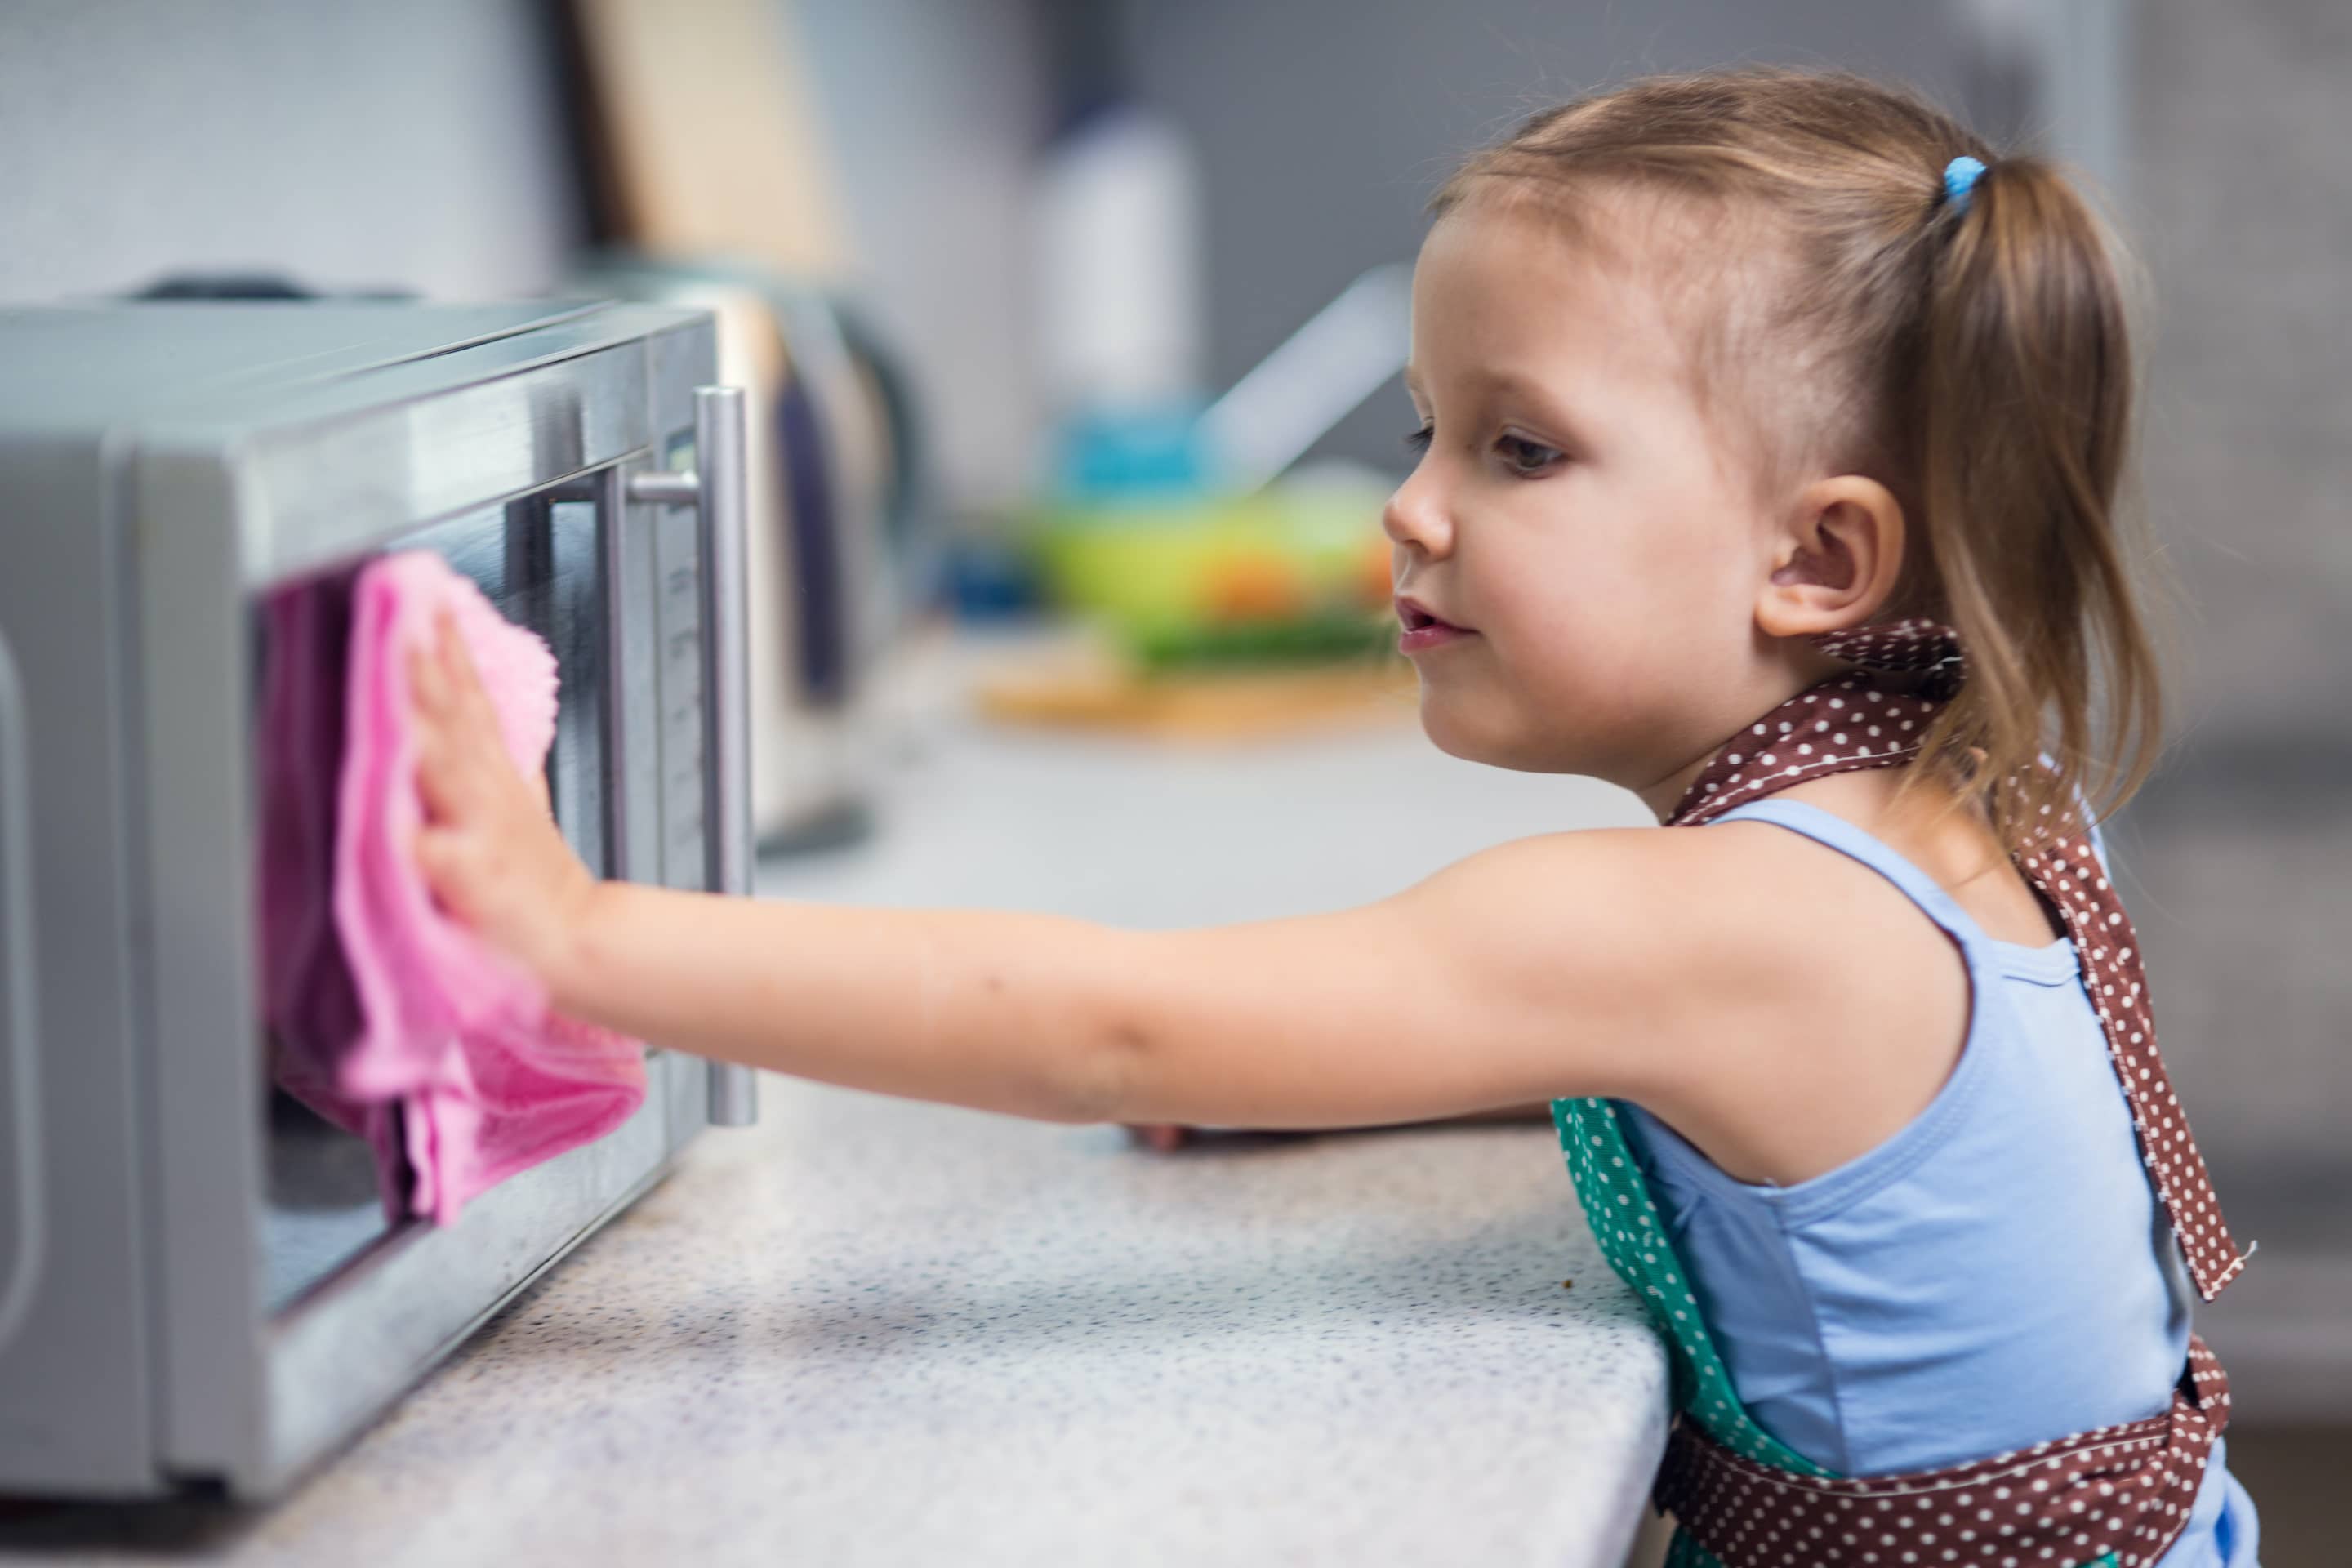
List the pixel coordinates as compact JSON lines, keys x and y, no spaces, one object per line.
{"x":1972,"y":355}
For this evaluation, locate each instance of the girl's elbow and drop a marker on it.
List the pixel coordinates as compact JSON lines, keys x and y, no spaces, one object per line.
{"x":1104,"y":1073}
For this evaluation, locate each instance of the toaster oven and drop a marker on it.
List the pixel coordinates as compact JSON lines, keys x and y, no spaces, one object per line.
{"x":202,"y":1282}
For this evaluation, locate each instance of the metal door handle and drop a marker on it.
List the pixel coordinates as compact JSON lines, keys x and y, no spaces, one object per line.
{"x":719,"y":491}
{"x":22,"y":1240}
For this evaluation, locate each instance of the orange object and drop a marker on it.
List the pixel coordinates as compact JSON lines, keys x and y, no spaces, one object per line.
{"x":1212,"y":706}
{"x":1375,"y":579}
{"x":1253,"y":588}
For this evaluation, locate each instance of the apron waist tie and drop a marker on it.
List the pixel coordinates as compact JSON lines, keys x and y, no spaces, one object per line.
{"x":2118,"y":1494}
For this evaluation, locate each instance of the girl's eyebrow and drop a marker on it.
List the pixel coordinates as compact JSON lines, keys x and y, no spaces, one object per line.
{"x":1512,"y":384}
{"x":1508,"y":385}
{"x":1511,"y":387}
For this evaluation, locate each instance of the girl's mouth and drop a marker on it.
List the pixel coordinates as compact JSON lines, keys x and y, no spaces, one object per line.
{"x":1422,"y":628}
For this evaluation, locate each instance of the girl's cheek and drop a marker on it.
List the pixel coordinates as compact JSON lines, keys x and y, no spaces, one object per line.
{"x":1572,"y":624}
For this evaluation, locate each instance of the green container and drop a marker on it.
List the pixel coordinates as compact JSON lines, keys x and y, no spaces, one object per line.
{"x":1277,"y":577}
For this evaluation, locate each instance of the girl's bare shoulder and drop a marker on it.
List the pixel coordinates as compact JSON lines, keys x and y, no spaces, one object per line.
{"x":1783,"y":1005}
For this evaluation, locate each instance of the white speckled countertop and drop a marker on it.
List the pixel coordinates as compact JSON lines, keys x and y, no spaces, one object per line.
{"x":874,"y":1331}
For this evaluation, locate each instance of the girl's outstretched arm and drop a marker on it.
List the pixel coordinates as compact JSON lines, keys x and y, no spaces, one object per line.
{"x":1537,"y":969}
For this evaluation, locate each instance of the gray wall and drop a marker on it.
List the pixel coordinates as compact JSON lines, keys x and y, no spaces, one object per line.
{"x":419,"y":145}
{"x":2244,"y":197}
{"x":933,"y":112}
{"x":1323,"y":125}
{"x":2242,"y":850}
{"x":2245,"y":208}
{"x":412,"y":144}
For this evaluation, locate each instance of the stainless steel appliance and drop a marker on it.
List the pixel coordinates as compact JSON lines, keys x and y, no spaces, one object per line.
{"x":199,"y":1283}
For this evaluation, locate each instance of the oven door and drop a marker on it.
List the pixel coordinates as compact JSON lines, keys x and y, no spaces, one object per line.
{"x":297,"y":1297}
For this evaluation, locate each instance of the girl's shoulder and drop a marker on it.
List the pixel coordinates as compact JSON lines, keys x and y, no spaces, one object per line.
{"x":1783,"y":1006}
{"x":1735,"y":924}
{"x":1749,"y":895}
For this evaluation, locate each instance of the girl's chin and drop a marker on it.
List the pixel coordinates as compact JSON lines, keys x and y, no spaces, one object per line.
{"x":1460,"y":734}
{"x":1455,"y":728}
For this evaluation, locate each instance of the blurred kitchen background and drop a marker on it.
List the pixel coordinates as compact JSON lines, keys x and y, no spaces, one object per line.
{"x":1005,"y":268}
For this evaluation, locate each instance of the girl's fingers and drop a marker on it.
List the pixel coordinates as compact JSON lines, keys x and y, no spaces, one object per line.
{"x":427,"y":687}
{"x":460,"y":700}
{"x":451,"y":646}
{"x":457,"y":666}
{"x":431,"y":846}
{"x":441,"y":782}
{"x":458,"y":674}
{"x":437,"y":853}
{"x":462,"y":760}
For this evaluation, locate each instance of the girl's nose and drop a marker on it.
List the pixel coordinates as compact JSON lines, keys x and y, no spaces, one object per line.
{"x":1416,"y":515}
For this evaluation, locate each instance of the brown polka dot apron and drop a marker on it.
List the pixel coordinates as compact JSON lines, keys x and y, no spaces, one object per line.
{"x":2117,"y":1496}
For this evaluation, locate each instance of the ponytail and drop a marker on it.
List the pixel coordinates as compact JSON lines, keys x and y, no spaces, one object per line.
{"x":2023,"y":414}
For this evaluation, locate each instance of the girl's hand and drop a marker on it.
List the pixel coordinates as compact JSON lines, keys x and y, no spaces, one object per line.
{"x":1164,"y":1136}
{"x":490,"y":850}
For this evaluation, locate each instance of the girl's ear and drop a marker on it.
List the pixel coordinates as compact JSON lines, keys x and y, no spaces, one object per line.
{"x":1836,"y":557}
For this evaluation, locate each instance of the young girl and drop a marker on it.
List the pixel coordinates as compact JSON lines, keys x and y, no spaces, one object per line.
{"x":1770,"y":431}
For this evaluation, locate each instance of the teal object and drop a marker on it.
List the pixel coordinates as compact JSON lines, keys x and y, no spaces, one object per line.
{"x":1154,"y":455}
{"x":1961,"y":176}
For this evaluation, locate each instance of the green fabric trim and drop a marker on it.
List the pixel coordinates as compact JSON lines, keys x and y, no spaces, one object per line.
{"x":1687,"y":1553}
{"x":1625,"y":1221}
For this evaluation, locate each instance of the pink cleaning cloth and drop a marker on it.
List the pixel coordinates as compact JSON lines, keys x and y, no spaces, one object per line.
{"x":489,"y":1081}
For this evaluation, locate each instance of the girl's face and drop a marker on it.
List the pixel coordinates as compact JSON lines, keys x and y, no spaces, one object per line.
{"x":1573,"y":509}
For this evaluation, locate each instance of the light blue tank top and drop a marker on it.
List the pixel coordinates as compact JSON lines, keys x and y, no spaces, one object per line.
{"x":1996,"y":1274}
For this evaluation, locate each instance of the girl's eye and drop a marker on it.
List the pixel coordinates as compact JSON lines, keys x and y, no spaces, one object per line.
{"x":1526,"y":456}
{"x":1418,"y":441}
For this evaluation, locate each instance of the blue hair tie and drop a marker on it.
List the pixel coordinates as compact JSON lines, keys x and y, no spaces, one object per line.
{"x":1960,"y":178}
